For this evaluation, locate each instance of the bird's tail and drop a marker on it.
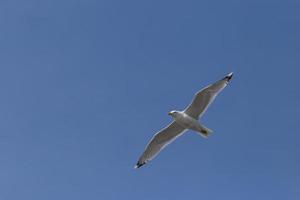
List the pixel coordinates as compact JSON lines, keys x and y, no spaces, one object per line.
{"x":204,"y":131}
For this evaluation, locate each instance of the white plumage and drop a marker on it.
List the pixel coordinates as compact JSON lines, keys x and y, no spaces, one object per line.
{"x":184,"y":120}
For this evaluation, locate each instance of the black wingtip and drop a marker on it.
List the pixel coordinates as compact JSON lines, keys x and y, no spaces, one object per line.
{"x":138,"y":165}
{"x":229,"y":76}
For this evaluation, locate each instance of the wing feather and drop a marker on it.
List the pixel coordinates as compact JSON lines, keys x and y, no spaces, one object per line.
{"x":159,"y":141}
{"x":205,"y":97}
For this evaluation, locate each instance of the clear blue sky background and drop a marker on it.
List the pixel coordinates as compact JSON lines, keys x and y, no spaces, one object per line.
{"x":85,"y":84}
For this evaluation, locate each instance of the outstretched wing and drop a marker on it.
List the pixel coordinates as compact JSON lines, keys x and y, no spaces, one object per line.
{"x":205,"y":97}
{"x":159,"y":141}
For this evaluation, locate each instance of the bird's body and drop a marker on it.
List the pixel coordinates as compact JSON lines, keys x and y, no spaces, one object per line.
{"x":184,"y":120}
{"x":188,"y":122}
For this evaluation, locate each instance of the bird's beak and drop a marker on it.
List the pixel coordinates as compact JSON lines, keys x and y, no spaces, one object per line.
{"x":169,"y":113}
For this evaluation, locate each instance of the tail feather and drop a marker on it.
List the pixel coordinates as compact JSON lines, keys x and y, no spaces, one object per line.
{"x":204,"y":132}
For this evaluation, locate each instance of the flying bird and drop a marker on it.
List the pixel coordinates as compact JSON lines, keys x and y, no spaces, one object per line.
{"x":184,"y":120}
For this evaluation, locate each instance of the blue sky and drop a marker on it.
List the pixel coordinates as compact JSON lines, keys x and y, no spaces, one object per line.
{"x":85,"y":84}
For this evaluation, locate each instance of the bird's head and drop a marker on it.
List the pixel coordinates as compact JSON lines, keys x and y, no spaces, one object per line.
{"x":173,"y":113}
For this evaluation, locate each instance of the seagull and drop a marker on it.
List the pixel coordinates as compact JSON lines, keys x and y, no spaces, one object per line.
{"x":184,"y":120}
